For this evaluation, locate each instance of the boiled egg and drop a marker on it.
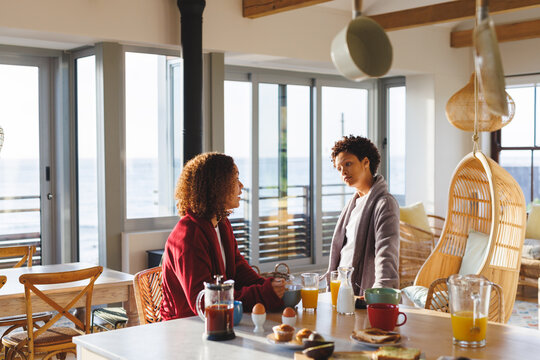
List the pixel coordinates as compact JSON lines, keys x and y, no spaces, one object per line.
{"x":258,"y":309}
{"x":289,"y":312}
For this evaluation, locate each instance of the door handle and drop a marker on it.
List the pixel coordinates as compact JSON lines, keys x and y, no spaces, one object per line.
{"x":49,"y":196}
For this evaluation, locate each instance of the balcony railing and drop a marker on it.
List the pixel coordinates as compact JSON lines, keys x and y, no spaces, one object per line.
{"x":21,"y":238}
{"x":286,"y":236}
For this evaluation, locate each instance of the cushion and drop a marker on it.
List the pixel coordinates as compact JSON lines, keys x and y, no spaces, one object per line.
{"x":415,"y":215}
{"x":533,"y":223}
{"x":416,"y":294}
{"x":475,"y":250}
{"x":531,"y":249}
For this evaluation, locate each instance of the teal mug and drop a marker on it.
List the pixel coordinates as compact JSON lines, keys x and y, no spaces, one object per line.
{"x":382,"y":296}
{"x":238,"y":312}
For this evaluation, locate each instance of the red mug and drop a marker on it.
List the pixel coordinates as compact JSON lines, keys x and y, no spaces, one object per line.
{"x":384,"y":316}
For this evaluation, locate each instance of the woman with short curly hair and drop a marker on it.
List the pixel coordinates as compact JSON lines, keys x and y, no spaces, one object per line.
{"x":366,"y":236}
{"x":202,"y":244}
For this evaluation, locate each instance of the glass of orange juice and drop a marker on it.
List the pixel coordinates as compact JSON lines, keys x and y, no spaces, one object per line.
{"x":310,"y":291}
{"x":334,"y":286}
{"x":469,"y":306}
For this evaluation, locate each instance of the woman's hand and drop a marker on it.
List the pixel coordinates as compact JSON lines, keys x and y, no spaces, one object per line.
{"x":279,"y":287}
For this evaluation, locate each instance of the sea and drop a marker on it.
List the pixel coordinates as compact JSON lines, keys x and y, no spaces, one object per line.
{"x":20,"y":178}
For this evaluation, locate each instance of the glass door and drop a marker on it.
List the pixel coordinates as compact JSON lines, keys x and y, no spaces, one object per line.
{"x":25,"y":172}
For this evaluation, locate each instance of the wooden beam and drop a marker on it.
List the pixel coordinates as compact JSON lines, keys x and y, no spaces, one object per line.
{"x":256,"y":8}
{"x":507,"y":32}
{"x":445,"y":12}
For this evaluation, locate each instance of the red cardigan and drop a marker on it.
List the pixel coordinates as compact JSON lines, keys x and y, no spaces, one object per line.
{"x":192,"y":256}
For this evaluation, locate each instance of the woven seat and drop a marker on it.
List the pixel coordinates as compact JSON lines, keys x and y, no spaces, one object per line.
{"x":437,"y":299}
{"x":148,"y":294}
{"x":483,"y":197}
{"x":48,"y":340}
{"x":52,"y":336}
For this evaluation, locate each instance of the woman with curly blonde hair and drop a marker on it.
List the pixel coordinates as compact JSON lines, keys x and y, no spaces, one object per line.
{"x":203,"y":245}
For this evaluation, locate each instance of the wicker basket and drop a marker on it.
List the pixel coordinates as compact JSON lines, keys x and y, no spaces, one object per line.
{"x":461,"y":107}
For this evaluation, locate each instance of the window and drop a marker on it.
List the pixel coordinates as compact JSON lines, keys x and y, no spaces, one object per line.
{"x":281,"y":144}
{"x":20,"y":159}
{"x":238,"y":126}
{"x":87,"y":184}
{"x":395,"y":110}
{"x":284,"y":172}
{"x":344,"y":112}
{"x":153,"y":127}
{"x":517,"y":145}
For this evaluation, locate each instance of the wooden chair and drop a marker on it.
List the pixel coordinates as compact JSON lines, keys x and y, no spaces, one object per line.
{"x":437,"y":299}
{"x":25,"y":252}
{"x":415,"y":246}
{"x":58,"y":340}
{"x":19,"y":321}
{"x":148,"y":295}
{"x":486,"y":198}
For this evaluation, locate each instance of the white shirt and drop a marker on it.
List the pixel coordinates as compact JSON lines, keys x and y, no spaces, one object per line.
{"x":347,"y":252}
{"x":221,"y":246}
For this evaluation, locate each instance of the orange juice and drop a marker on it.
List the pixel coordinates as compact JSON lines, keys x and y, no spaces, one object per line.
{"x":309,"y":298}
{"x":334,"y":289}
{"x":462,"y":323}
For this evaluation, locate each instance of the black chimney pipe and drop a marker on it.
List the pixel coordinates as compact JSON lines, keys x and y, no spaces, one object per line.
{"x":191,"y":36}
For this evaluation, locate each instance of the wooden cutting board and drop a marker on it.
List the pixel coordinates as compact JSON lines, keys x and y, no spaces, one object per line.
{"x":344,"y":355}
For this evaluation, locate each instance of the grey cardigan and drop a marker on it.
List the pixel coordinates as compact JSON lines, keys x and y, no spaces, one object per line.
{"x":376,"y":254}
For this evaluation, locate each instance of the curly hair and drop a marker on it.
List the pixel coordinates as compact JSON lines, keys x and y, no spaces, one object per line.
{"x":204,"y":185}
{"x":359,"y":146}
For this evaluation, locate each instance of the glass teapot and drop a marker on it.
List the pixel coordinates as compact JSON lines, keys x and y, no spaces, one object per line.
{"x":218,"y":309}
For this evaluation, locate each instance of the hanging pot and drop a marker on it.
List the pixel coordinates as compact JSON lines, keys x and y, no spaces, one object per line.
{"x":362,"y":49}
{"x":488,"y":61}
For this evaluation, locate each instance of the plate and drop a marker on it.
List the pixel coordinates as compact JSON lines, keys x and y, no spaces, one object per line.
{"x":293,"y":344}
{"x":376,"y":345}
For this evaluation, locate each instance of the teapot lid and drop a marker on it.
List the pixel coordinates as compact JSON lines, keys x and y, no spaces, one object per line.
{"x":220,"y":284}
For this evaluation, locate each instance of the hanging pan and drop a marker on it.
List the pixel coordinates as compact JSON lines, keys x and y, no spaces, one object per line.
{"x":488,"y":61}
{"x":362,"y":49}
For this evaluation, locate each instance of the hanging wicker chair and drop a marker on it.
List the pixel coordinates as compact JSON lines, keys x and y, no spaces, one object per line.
{"x":482,"y":197}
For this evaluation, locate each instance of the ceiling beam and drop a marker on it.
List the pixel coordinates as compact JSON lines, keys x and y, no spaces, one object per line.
{"x":256,"y":8}
{"x":508,"y":32}
{"x":445,"y":12}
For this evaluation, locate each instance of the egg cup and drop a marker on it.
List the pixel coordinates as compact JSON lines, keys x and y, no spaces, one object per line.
{"x":258,"y":321}
{"x":291,"y":321}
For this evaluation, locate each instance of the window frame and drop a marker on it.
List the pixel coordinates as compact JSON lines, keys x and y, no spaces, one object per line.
{"x":384,"y":114}
{"x":532,"y":80}
{"x":146,"y":223}
{"x":316,"y":81}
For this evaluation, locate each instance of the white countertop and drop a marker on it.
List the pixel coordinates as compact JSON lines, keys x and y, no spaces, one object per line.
{"x":183,"y":339}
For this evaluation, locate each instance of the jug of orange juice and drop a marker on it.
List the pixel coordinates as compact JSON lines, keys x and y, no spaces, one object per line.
{"x":469,"y":308}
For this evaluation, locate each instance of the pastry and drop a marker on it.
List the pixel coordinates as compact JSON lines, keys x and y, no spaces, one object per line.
{"x":303,"y":334}
{"x":283,"y":332}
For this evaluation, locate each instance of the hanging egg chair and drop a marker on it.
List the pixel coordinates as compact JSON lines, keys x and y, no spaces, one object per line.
{"x":483,"y":197}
